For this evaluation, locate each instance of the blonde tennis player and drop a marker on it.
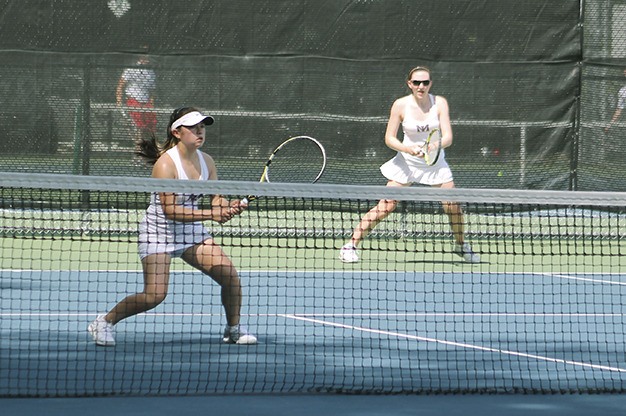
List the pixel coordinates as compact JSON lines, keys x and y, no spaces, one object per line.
{"x":418,"y":113}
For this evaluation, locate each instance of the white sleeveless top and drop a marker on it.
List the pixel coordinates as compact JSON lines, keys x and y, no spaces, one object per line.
{"x":416,"y":131}
{"x":405,"y":168}
{"x":157,"y":233}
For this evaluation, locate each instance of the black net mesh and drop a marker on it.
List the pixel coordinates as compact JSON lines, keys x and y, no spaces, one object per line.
{"x":541,"y":313}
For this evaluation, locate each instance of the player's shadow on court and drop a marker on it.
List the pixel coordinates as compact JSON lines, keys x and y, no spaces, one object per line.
{"x":451,"y":262}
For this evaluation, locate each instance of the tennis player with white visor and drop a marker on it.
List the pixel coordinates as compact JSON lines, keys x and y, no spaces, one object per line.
{"x":173,"y":227}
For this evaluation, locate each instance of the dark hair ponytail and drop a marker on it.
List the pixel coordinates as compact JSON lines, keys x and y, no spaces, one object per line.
{"x":149,"y":148}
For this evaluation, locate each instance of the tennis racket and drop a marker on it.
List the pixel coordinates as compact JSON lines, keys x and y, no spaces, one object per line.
{"x":299,"y":159}
{"x":432,"y":147}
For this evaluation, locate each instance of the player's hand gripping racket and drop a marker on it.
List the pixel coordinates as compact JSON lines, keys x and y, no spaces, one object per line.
{"x":300,"y":159}
{"x":432,"y":147}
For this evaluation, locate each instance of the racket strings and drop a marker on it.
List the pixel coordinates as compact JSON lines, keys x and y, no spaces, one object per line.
{"x":432,"y":147}
{"x":297,"y":161}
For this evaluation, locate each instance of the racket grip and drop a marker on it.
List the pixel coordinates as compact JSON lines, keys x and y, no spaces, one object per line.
{"x":245,"y":201}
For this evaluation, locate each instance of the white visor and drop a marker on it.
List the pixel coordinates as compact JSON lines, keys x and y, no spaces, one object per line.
{"x":191,"y":119}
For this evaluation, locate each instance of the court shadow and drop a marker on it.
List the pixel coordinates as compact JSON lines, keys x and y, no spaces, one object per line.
{"x":439,"y":262}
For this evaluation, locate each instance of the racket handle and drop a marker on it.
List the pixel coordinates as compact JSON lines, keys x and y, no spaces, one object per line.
{"x":245,"y":201}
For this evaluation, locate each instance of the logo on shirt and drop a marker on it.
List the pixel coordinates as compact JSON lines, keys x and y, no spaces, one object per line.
{"x":422,"y":128}
{"x":192,"y":199}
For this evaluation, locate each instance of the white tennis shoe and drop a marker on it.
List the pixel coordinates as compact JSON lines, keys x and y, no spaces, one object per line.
{"x":239,"y":335}
{"x":466,"y":252}
{"x":102,"y":332}
{"x":348,"y":254}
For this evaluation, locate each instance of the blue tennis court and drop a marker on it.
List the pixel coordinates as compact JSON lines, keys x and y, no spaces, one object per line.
{"x":313,"y":405}
{"x":319,"y":331}
{"x":411,"y":325}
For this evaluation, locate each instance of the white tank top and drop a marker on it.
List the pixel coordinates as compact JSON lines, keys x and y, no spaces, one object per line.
{"x":187,"y":200}
{"x":174,"y":234}
{"x":416,"y":131}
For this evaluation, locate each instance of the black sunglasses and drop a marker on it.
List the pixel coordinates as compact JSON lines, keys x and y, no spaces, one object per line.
{"x":417,"y":82}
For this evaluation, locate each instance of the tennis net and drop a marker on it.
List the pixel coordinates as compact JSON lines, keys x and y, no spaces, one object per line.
{"x":541,"y":313}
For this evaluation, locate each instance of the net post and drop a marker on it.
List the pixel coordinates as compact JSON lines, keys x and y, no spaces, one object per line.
{"x":522,"y":156}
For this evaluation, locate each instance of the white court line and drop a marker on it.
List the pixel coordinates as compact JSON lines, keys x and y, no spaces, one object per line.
{"x":572,"y":276}
{"x":459,"y":344}
{"x":341,"y":315}
{"x":584,"y":279}
{"x":303,"y":317}
{"x":459,"y":314}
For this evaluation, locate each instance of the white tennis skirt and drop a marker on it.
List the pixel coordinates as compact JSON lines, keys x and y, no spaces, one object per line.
{"x":398,"y":170}
{"x":173,"y":240}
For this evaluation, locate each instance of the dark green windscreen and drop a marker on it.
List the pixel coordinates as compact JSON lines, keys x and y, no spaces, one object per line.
{"x":531,"y":89}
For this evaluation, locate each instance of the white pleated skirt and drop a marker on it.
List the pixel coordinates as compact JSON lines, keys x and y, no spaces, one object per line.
{"x":406,"y":171}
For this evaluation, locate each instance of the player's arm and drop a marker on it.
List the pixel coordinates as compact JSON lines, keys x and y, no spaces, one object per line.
{"x":621,"y":104}
{"x":233,"y":206}
{"x":164,"y":168}
{"x":616,"y":116}
{"x":445,"y":125}
{"x":393,"y":126}
{"x":119,"y":92}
